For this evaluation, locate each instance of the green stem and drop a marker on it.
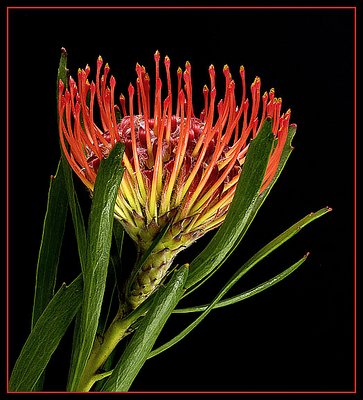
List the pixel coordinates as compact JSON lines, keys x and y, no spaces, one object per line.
{"x":102,"y":348}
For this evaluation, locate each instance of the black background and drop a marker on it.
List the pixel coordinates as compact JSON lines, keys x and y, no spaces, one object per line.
{"x":297,"y":335}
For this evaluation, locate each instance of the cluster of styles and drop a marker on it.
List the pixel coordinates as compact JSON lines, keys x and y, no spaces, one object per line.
{"x":181,"y":171}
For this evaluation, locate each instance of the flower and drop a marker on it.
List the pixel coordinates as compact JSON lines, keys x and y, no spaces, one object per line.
{"x":181,"y":171}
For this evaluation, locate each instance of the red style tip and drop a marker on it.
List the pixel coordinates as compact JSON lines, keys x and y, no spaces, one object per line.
{"x":131,"y":90}
{"x":112,"y":82}
{"x":256,"y":83}
{"x":67,"y":95}
{"x":138,"y":69}
{"x":60,"y":86}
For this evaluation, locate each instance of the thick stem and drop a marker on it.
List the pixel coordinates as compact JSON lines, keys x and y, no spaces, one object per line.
{"x":158,"y":263}
{"x":102,"y":348}
{"x":149,"y":277}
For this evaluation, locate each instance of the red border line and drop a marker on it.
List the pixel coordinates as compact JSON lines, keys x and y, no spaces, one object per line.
{"x":182,"y":7}
{"x":355,"y":199}
{"x":7,"y":198}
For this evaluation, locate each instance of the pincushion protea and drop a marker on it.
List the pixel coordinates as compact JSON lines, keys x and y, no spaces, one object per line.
{"x":181,"y":171}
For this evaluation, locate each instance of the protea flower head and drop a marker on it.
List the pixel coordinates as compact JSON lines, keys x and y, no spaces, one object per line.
{"x":181,"y":170}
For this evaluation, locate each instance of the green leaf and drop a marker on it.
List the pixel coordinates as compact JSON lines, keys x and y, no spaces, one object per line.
{"x":66,"y":170}
{"x":114,"y":282}
{"x":139,"y":347}
{"x":248,"y":293}
{"x":261,"y":254}
{"x":113,"y":290}
{"x":76,"y":212}
{"x":62,"y":69}
{"x":50,"y":247}
{"x":286,"y":152}
{"x":98,"y":253}
{"x":202,"y":275}
{"x":229,"y":234}
{"x":75,"y":341}
{"x":81,"y":238}
{"x":118,"y":234}
{"x":46,"y":267}
{"x":45,"y":336}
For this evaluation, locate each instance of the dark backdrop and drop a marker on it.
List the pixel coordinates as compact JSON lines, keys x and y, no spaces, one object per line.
{"x":297,"y":335}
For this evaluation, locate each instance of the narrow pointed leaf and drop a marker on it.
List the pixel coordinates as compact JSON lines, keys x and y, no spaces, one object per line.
{"x":98,"y":252}
{"x":52,"y":237}
{"x":199,"y":274}
{"x":66,"y":170}
{"x":46,"y":274}
{"x":62,"y":73}
{"x":116,"y":256}
{"x":114,"y":277}
{"x":74,"y":353}
{"x":76,"y":212}
{"x":229,"y":234}
{"x":118,"y":234}
{"x":138,"y":349}
{"x":45,"y":337}
{"x":260,"y":255}
{"x":283,"y":160}
{"x":248,"y":293}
